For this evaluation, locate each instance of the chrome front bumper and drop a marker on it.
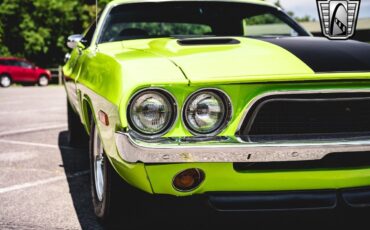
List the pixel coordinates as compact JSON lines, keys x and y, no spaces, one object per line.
{"x":177,"y":150}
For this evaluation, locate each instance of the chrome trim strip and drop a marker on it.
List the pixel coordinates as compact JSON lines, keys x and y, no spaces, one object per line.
{"x":293,"y":92}
{"x":101,"y":24}
{"x":172,"y":150}
{"x":262,"y":102}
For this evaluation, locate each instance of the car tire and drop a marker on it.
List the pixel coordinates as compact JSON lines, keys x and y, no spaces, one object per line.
{"x":77,"y":136}
{"x":113,"y":199}
{"x":5,"y":81}
{"x":43,"y":81}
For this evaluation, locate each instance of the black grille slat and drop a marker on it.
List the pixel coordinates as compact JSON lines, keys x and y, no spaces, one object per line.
{"x":310,"y":117}
{"x":331,"y":161}
{"x":313,"y":114}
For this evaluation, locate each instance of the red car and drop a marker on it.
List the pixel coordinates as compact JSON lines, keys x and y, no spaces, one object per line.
{"x":20,"y":70}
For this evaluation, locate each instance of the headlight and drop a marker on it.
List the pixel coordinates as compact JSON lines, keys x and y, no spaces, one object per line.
{"x":207,"y":112}
{"x":152,"y":112}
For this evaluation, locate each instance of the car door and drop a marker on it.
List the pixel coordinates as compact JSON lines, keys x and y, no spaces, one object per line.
{"x":70,"y":75}
{"x":28,"y":71}
{"x":4,"y":66}
{"x":15,"y":70}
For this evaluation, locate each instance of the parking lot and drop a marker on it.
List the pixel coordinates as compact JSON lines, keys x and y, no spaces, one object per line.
{"x":44,"y":183}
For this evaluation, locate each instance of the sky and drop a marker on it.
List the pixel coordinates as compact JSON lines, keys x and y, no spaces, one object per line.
{"x":308,"y":7}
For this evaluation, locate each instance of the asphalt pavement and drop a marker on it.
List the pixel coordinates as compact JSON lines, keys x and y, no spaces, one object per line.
{"x":44,"y":183}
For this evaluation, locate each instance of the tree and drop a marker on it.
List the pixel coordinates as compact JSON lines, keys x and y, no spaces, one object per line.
{"x":305,"y":18}
{"x":37,"y":29}
{"x":278,"y":4}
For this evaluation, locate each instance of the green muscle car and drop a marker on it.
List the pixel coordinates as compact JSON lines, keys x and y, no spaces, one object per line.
{"x":228,"y":101}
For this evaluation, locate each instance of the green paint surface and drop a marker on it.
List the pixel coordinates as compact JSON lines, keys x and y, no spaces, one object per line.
{"x":108,"y":75}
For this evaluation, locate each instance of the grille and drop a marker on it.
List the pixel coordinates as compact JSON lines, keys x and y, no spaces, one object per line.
{"x":308,"y":116}
{"x":331,"y":161}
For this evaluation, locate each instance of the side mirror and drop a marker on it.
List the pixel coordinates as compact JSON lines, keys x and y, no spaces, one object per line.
{"x":67,"y":57}
{"x":75,"y":41}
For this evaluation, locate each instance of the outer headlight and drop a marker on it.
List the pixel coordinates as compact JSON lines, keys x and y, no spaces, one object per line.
{"x":152,"y":112}
{"x":207,"y":112}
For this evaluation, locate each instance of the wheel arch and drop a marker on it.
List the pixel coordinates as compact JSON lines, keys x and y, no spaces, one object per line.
{"x":87,"y":112}
{"x":7,"y":74}
{"x":44,"y":74}
{"x":133,"y":174}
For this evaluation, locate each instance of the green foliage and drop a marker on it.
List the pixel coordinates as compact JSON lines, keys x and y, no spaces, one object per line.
{"x":263,"y":20}
{"x":290,"y":13}
{"x":157,"y":29}
{"x":270,"y":19}
{"x":37,"y":29}
{"x":278,"y":4}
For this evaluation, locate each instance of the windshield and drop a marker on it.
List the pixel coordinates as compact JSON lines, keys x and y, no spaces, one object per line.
{"x":196,"y":19}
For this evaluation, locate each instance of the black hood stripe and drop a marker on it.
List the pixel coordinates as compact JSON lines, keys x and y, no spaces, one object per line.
{"x":323,"y":55}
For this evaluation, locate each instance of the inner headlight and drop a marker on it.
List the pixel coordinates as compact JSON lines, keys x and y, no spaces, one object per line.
{"x":152,"y":112}
{"x":207,"y":112}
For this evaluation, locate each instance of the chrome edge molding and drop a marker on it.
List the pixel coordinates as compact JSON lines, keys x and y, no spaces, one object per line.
{"x":172,"y":151}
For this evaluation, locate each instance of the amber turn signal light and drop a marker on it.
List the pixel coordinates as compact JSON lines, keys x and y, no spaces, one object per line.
{"x":188,"y":180}
{"x":103,"y":117}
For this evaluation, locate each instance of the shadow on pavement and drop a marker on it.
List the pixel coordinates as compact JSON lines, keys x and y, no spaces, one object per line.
{"x":76,"y":167}
{"x":164,"y":216}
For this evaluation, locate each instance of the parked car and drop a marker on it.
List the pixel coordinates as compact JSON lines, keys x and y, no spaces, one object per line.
{"x":226,"y":101}
{"x":16,"y":70}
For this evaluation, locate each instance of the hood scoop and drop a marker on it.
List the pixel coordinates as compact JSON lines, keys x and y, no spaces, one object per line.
{"x":207,"y":41}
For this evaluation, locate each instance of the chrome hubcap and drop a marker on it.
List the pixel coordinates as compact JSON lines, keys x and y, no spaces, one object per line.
{"x":43,"y":81}
{"x":98,"y":166}
{"x":5,"y":81}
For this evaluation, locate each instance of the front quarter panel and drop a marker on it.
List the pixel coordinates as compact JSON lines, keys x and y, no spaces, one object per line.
{"x":106,"y":79}
{"x":99,"y":84}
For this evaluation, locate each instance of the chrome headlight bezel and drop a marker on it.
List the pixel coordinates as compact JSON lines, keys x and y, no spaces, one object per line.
{"x":172,"y":105}
{"x":224,"y":121}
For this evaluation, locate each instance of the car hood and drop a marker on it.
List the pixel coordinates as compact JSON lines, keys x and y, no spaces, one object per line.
{"x":253,"y":60}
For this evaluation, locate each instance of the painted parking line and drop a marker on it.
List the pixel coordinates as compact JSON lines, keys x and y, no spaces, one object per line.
{"x":37,"y":144}
{"x":36,"y":129}
{"x":29,"y":143}
{"x":10,"y":102}
{"x":33,"y":110}
{"x":41,"y":182}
